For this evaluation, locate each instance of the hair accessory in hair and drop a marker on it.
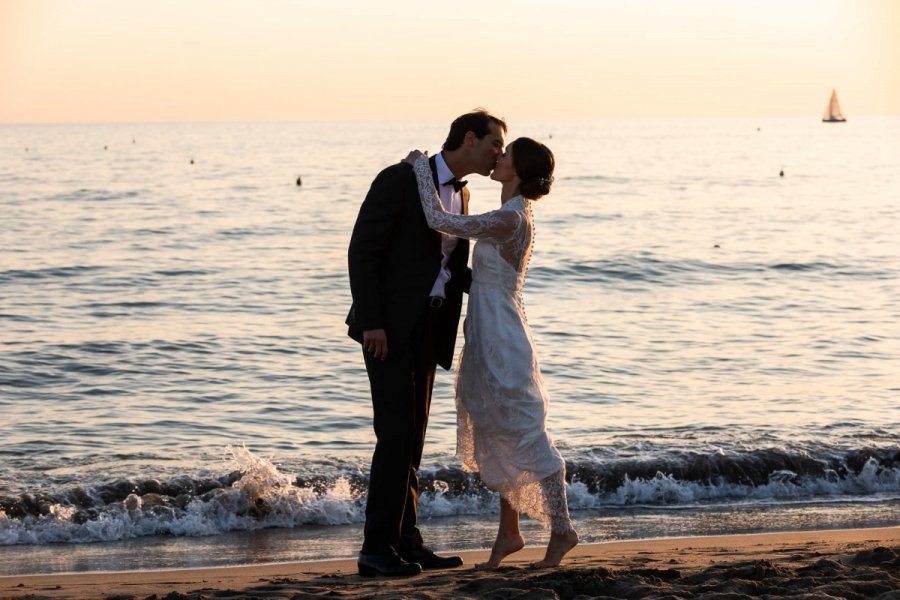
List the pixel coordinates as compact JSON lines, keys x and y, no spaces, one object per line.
{"x":545,"y":180}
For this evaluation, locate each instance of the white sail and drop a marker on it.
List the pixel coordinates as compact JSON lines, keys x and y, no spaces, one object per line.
{"x":833,"y":110}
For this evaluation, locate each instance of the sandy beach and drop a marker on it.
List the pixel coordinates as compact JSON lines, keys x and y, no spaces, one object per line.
{"x":854,"y":564}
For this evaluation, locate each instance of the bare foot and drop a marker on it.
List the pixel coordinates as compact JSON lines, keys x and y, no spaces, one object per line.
{"x":560,"y":544}
{"x":503,"y":547}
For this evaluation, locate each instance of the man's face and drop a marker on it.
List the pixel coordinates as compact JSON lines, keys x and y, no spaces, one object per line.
{"x":486,"y":150}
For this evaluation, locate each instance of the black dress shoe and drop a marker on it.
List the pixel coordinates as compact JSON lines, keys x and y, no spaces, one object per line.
{"x":430,"y":560}
{"x":388,"y":564}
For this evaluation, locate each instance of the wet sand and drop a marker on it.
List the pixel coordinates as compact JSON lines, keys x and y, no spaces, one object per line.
{"x":855,"y":564}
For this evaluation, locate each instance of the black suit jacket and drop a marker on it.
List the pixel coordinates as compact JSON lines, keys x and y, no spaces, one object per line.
{"x":394,"y":259}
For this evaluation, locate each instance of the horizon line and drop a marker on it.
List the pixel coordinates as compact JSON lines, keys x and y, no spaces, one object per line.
{"x":427,"y":120}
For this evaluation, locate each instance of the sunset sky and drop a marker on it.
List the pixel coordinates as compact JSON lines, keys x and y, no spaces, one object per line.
{"x":224,"y":60}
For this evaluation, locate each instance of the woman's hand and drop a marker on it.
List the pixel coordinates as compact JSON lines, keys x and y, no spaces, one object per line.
{"x":412,"y":156}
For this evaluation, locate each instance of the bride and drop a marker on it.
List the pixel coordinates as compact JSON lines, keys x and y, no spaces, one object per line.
{"x":500,"y":396}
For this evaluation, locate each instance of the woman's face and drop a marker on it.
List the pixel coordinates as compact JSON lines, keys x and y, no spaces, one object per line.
{"x":505,"y":171}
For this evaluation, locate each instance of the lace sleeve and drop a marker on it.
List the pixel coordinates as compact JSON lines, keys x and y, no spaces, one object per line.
{"x":494,"y":226}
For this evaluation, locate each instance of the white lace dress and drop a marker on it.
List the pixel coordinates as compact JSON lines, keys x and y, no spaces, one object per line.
{"x":500,"y":396}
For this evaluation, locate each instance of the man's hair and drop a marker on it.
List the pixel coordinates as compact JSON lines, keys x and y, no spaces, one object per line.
{"x":478,"y":122}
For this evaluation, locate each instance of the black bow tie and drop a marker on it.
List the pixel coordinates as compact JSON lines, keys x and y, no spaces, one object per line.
{"x":457,"y":185}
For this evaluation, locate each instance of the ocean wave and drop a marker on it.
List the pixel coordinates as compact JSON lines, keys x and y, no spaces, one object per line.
{"x":13,"y":275}
{"x":670,"y":272}
{"x":635,"y":269}
{"x":21,"y":318}
{"x":183,"y":272}
{"x":811,"y":266}
{"x":597,"y":178}
{"x":257,"y":495}
{"x":95,"y":195}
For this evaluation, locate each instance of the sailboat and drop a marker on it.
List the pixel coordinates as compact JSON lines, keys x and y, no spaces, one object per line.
{"x":833,"y":110}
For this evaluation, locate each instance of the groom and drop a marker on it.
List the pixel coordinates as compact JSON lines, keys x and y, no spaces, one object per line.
{"x":407,"y":283}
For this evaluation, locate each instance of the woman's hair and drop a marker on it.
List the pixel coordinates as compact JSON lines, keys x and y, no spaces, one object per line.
{"x":534,"y":164}
{"x":478,"y":121}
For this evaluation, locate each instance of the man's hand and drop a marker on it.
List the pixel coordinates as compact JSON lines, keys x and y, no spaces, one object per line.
{"x":375,"y":341}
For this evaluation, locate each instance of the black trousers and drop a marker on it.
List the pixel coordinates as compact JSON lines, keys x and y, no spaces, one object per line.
{"x":401,"y":398}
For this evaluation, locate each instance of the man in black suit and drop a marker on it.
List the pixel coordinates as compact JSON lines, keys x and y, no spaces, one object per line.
{"x":407,"y":283}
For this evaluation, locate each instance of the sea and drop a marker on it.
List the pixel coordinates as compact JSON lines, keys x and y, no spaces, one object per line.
{"x":715,"y":303}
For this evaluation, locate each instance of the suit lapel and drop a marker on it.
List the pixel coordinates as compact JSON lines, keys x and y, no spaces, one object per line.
{"x":432,"y":162}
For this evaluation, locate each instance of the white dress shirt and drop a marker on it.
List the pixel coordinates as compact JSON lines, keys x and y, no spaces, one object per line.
{"x":452,"y":201}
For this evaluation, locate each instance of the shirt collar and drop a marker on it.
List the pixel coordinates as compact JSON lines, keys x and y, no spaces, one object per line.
{"x":444,"y":173}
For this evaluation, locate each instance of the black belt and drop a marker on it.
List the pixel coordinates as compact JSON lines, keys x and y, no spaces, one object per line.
{"x":435,"y":301}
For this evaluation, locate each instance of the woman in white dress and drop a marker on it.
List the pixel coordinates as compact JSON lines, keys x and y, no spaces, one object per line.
{"x":500,"y":396}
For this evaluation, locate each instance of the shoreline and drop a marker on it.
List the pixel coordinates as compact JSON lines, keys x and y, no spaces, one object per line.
{"x":835,"y":557}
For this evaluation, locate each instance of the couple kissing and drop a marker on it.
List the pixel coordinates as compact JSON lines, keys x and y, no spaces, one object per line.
{"x":408,"y":259}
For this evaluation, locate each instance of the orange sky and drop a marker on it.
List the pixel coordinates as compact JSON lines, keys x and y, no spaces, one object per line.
{"x":196,"y":60}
